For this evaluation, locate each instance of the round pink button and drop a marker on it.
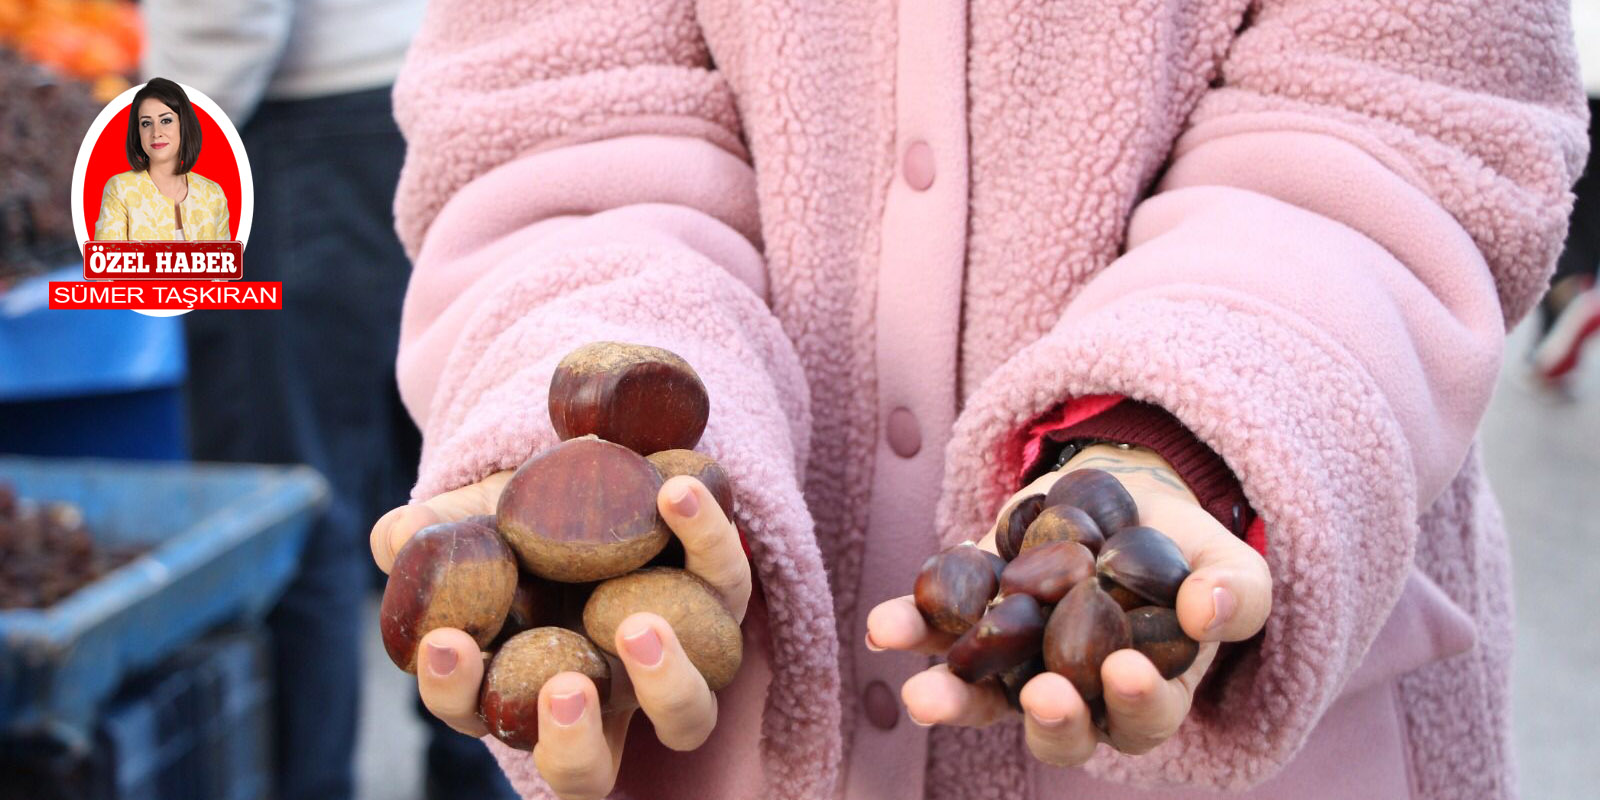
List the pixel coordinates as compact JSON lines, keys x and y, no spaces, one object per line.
{"x":882,"y":710}
{"x":905,"y":435}
{"x":918,"y":166}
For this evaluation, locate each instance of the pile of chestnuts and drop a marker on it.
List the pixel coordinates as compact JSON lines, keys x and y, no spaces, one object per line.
{"x":1077,"y":579}
{"x":576,"y":544}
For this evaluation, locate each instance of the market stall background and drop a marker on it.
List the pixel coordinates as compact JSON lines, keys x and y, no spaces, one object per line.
{"x":182,"y":714}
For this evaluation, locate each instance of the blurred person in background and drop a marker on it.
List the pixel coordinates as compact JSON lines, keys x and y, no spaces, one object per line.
{"x":308,"y":84}
{"x":1570,"y":312}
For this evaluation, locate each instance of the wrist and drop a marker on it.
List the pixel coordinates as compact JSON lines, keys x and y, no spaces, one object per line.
{"x":1133,"y":465}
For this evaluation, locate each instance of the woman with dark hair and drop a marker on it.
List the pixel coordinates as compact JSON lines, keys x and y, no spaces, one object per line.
{"x":161,"y":198}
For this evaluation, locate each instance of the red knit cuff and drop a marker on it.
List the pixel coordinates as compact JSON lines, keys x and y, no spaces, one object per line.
{"x":1129,"y":421}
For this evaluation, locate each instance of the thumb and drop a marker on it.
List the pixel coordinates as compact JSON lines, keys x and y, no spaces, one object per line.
{"x":1228,"y":594}
{"x":394,"y":529}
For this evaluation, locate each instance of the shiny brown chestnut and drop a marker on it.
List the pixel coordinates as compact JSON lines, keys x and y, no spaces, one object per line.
{"x":709,"y":634}
{"x":1048,"y":572}
{"x":583,"y":510}
{"x":954,"y":587}
{"x":701,"y":467}
{"x":1157,"y":634}
{"x":1064,"y":523}
{"x":1085,"y":628}
{"x":450,"y":575}
{"x":644,"y":398}
{"x":1014,"y":525}
{"x":1146,"y":562}
{"x":1009,"y":634}
{"x":1126,"y":600}
{"x":508,"y":701}
{"x":1100,"y":495}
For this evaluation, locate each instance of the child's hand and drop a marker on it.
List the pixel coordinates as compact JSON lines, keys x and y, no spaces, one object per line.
{"x":1225,"y":599}
{"x":580,"y":749}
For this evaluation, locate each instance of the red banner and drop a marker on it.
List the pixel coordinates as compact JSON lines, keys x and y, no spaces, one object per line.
{"x":163,"y":261}
{"x":167,"y":295}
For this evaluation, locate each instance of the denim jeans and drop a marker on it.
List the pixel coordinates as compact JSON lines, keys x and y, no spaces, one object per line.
{"x":314,"y":384}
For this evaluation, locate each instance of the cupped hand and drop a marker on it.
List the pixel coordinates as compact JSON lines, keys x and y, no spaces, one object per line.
{"x":1226,"y":598}
{"x":580,"y":748}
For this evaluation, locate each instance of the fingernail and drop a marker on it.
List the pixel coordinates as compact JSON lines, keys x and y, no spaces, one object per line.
{"x":441,"y":660}
{"x":1223,"y":605}
{"x":918,"y":722}
{"x":685,"y":503}
{"x":871,"y":645}
{"x":1047,"y":722}
{"x":644,"y":646}
{"x":567,"y":708}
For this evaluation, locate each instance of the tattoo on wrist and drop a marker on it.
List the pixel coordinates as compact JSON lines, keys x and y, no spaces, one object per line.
{"x":1161,"y":475}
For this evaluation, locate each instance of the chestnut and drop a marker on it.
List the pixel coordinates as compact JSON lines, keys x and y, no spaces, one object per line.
{"x":672,"y":463}
{"x":1100,"y":495}
{"x":709,"y":634}
{"x":1048,"y":572}
{"x":1009,"y":634}
{"x":1144,"y":561}
{"x":1008,"y":534}
{"x":539,"y":603}
{"x":644,"y":398}
{"x":1012,"y":680}
{"x":508,"y":701}
{"x":1085,"y":627}
{"x":1157,"y":634}
{"x":584,"y":510}
{"x":450,"y":575}
{"x":1126,"y":600}
{"x":955,"y":586}
{"x":1063,"y":523}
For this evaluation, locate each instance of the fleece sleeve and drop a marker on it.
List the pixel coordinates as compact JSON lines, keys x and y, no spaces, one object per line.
{"x":574,"y":173}
{"x":1319,"y":288}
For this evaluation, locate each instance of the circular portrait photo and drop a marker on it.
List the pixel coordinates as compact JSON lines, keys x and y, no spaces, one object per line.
{"x":162,"y":163}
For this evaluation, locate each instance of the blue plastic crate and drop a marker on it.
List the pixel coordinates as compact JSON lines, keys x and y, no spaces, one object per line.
{"x":227,"y":541}
{"x":235,"y":722}
{"x":88,"y":383}
{"x":197,"y":728}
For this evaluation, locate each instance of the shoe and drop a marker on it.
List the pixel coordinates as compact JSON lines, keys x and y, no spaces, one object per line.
{"x":1557,"y":353}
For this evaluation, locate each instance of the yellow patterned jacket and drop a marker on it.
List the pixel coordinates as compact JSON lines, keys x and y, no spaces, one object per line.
{"x":132,"y":208}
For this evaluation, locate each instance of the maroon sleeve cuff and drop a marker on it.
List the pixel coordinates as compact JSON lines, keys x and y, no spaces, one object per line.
{"x":1150,"y":426}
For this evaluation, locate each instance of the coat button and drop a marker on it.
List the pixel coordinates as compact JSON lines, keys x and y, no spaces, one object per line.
{"x":905,"y":437}
{"x":918,"y":166}
{"x":883,"y":711}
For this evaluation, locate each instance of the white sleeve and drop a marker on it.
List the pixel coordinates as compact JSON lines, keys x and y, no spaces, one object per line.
{"x":227,"y":49}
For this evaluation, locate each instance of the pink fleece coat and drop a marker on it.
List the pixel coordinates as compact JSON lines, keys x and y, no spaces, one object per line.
{"x":891,"y":235}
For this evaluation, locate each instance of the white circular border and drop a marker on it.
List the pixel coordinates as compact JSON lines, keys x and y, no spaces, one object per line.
{"x":119,"y":106}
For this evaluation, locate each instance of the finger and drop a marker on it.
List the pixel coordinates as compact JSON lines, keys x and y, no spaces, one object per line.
{"x":573,"y":755}
{"x":395,"y":528}
{"x":935,"y":697}
{"x":1056,"y":722}
{"x":710,"y":542}
{"x":1142,"y":709}
{"x":1228,"y":594}
{"x":449,"y":672}
{"x":898,"y":625}
{"x":670,"y":690}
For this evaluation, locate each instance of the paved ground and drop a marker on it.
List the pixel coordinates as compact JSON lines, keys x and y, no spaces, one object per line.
{"x":1544,"y":459}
